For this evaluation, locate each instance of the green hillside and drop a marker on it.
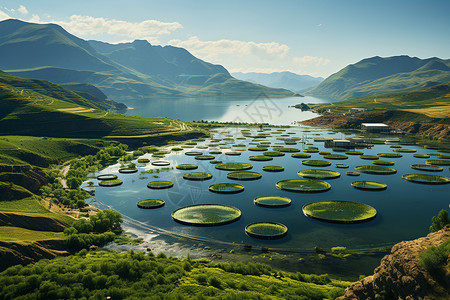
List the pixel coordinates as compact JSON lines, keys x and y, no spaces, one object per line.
{"x":37,"y":108}
{"x":123,"y":72}
{"x":432,"y":103}
{"x":378,"y":75}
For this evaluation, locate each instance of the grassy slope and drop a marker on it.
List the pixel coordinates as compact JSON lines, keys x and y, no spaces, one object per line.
{"x":17,"y":234}
{"x":427,"y":105}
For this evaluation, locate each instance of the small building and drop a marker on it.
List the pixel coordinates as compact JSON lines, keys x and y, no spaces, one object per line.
{"x":357,"y":110}
{"x":375,"y":127}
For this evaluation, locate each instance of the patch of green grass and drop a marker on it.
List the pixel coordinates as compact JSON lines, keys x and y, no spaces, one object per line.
{"x":197,"y":176}
{"x":316,"y":163}
{"x":12,"y":234}
{"x":378,"y":170}
{"x":244,"y":175}
{"x":318,"y":174}
{"x":226,"y":188}
{"x":206,"y":215}
{"x":266,"y":230}
{"x":339,"y":211}
{"x":303,"y":185}
{"x":426,"y":178}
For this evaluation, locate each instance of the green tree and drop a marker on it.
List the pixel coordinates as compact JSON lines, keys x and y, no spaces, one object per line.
{"x":439,"y":221}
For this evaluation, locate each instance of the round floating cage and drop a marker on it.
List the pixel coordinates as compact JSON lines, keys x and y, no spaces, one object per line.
{"x":318,"y":174}
{"x":110,"y":183}
{"x":234,"y":166}
{"x":273,"y":154}
{"x":197,"y":176}
{"x":303,"y":185}
{"x":429,"y":168}
{"x":150,"y":203}
{"x":204,"y":157}
{"x":285,"y":149}
{"x":354,"y":153}
{"x":421,"y":155}
{"x":258,"y":149}
{"x":390,"y":155}
{"x":380,"y":162}
{"x":341,"y":166}
{"x":316,"y":163}
{"x":438,"y":162}
{"x":352,"y":173}
{"x":266,"y":230}
{"x":273,"y":168}
{"x":226,"y":188}
{"x":233,"y":153}
{"x":300,"y":155}
{"x":272,"y":201}
{"x":405,"y":150}
{"x":426,"y":178}
{"x":193,"y":153}
{"x":345,"y":212}
{"x":260,"y":158}
{"x":369,"y":185}
{"x":369,"y":157}
{"x":206,"y":215}
{"x":377,"y":170}
{"x":160,"y":163}
{"x":244,"y":175}
{"x":186,"y":167}
{"x":215,"y":152}
{"x":106,"y":177}
{"x":161,"y":184}
{"x":215,"y":162}
{"x":128,"y":170}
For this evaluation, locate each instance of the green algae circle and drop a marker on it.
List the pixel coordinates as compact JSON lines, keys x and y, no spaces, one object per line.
{"x":159,"y":184}
{"x":206,"y":215}
{"x":341,"y":166}
{"x":273,"y":168}
{"x":226,"y":188}
{"x":244,"y":175}
{"x":197,"y":176}
{"x":354,"y":153}
{"x":352,"y":173}
{"x":345,"y":212}
{"x":284,"y":149}
{"x":150,"y":203}
{"x":233,"y":153}
{"x":426,"y":178}
{"x":405,"y":150}
{"x":234,"y":166}
{"x":258,"y":149}
{"x":316,"y":163}
{"x":160,"y":163}
{"x":303,"y":185}
{"x":369,"y":185}
{"x":377,"y":170}
{"x":143,"y":160}
{"x":318,"y":174}
{"x":429,"y":168}
{"x":272,"y":201}
{"x":111,"y":182}
{"x":215,"y":162}
{"x":186,"y":167}
{"x":266,"y":230}
{"x":421,"y":155}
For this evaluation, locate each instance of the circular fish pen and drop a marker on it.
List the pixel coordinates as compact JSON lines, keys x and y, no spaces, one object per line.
{"x":206,"y":215}
{"x":244,"y":175}
{"x":272,"y":201}
{"x":303,"y":185}
{"x":345,"y":212}
{"x":226,"y":188}
{"x":150,"y":203}
{"x":369,"y":185}
{"x":266,"y":230}
{"x":197,"y":176}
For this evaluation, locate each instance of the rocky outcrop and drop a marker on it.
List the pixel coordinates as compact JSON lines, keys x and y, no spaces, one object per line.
{"x":401,"y":276}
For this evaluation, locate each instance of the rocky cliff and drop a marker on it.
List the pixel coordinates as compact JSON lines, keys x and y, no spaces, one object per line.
{"x":401,"y":276}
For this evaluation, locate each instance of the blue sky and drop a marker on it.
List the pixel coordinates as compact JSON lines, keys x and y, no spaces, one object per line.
{"x":307,"y":37}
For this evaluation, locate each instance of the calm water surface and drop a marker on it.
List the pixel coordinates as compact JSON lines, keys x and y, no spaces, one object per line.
{"x":256,"y":110}
{"x":404,"y":209}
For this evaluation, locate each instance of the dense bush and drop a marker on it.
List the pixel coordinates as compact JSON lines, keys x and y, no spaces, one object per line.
{"x":99,"y":274}
{"x":435,"y":258}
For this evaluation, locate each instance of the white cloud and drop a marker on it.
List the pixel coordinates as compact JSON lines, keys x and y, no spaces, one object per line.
{"x":213,"y":50}
{"x":87,"y":25}
{"x":23,"y":10}
{"x":4,"y":16}
{"x":35,"y":19}
{"x":311,"y":60}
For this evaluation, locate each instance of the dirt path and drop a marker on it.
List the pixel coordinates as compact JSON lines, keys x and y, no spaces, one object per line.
{"x":64,"y":170}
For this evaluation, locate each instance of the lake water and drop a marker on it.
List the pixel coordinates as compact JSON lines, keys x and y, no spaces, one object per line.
{"x":260,"y":109}
{"x":404,"y":209}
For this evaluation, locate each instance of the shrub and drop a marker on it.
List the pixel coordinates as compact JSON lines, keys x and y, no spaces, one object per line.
{"x":434,"y":258}
{"x":439,"y":221}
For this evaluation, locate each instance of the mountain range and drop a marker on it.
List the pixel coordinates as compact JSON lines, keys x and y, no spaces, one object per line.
{"x":286,"y":80}
{"x":121,"y":71}
{"x":379,"y":75}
